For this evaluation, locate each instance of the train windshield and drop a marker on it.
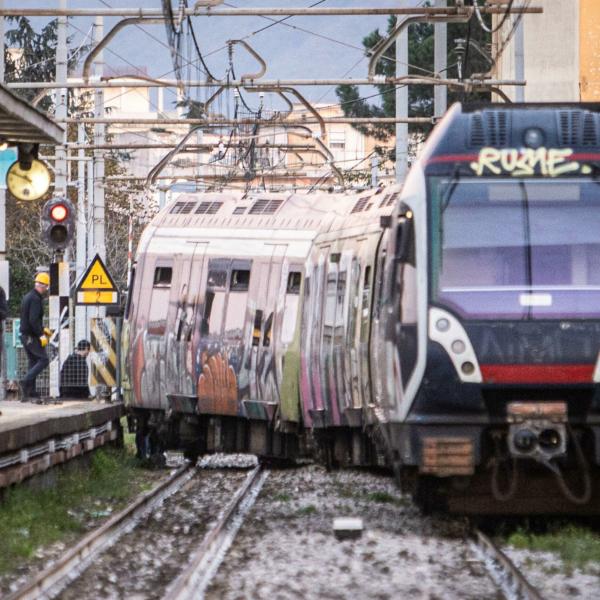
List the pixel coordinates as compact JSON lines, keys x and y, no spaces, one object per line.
{"x":516,"y":248}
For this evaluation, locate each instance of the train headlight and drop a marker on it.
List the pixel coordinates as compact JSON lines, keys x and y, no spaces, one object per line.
{"x":525,"y":440}
{"x":534,"y":138}
{"x":442,"y":325}
{"x":458,"y":346}
{"x":468,"y":368}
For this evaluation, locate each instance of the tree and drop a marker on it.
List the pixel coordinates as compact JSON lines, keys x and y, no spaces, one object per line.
{"x":31,"y":57}
{"x":420,"y":59}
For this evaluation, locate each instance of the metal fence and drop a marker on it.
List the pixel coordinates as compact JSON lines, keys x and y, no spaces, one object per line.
{"x":86,"y":367}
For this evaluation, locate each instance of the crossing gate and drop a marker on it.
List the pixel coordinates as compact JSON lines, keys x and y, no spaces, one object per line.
{"x":104,"y":356}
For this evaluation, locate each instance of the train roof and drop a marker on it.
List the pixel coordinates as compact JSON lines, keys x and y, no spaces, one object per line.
{"x":470,"y":127}
{"x":318,"y":211}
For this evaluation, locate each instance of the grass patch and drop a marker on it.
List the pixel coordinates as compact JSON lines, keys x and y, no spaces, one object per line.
{"x":31,"y":518}
{"x":576,"y":545}
{"x":383,"y":498}
{"x":283,"y":497}
{"x":307,"y":510}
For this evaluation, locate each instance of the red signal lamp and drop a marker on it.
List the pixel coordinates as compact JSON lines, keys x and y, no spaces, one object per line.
{"x":59,"y":212}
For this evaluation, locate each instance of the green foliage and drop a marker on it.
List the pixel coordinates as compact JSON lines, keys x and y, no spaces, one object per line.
{"x":282,"y":497}
{"x":32,"y":518}
{"x":383,"y":498}
{"x":575,"y":545}
{"x":420,"y":59}
{"x":307,"y":510}
{"x":30,"y":55}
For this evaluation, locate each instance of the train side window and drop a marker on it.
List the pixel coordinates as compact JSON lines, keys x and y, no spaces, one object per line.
{"x":159,"y":302}
{"x":217,"y":278}
{"x":257,"y":327}
{"x":294,"y":282}
{"x":240,"y":280}
{"x":379,"y":282}
{"x":268,"y":331}
{"x":366,"y":293}
{"x":163,"y":276}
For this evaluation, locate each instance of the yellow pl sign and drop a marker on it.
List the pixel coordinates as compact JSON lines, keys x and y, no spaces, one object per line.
{"x":96,"y":285}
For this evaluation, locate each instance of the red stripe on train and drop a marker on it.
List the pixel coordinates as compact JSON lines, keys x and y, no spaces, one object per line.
{"x":537,"y":373}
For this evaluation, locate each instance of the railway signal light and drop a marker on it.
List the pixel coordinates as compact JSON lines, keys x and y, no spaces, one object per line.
{"x":58,"y":223}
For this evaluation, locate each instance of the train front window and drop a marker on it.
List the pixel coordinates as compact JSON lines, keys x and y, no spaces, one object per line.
{"x":516,"y":248}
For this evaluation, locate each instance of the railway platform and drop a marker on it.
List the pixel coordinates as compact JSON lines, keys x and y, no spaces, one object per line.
{"x":37,"y":437}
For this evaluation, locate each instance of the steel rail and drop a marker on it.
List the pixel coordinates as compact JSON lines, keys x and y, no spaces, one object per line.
{"x":502,"y":570}
{"x":185,"y":586}
{"x":135,"y":81}
{"x":256,"y":12}
{"x":51,"y":580}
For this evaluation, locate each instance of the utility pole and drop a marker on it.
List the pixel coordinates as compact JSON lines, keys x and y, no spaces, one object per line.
{"x":402,"y":106}
{"x":81,"y":232}
{"x":60,"y":288}
{"x":440,"y":62}
{"x":519,"y":57}
{"x":97,"y":216}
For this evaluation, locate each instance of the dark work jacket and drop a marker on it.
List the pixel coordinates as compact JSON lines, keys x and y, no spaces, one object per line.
{"x":32,"y":314}
{"x":3,"y":310}
{"x":3,"y":305}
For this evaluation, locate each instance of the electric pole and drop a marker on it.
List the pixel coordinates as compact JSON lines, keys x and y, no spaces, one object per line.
{"x":440,"y":62}
{"x":402,"y":106}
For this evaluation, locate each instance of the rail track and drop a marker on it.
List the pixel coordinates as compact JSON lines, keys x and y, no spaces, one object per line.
{"x":90,"y":565}
{"x":194,"y":579}
{"x":505,"y":574}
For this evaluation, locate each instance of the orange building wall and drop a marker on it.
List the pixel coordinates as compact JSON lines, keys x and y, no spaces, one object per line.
{"x":589,"y":50}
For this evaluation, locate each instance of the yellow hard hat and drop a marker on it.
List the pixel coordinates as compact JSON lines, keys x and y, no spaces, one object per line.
{"x":43,"y":278}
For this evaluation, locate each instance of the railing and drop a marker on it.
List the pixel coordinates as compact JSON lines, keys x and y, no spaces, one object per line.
{"x":89,"y":369}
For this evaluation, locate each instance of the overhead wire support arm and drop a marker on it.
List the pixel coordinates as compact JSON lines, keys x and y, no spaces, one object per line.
{"x":207,"y":11}
{"x":385,"y":43}
{"x":142,"y":81}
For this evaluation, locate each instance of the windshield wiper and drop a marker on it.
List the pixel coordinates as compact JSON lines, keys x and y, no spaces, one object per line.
{"x":527,"y":232}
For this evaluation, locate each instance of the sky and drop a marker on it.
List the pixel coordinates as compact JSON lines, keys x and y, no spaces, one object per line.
{"x":303,"y":47}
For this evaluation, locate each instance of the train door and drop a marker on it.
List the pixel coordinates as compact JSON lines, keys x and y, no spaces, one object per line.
{"x":154,"y":376}
{"x":289,"y":342}
{"x":182,"y":351}
{"x":315,"y":335}
{"x":329,"y":383}
{"x":366,"y":300}
{"x":377,"y":338}
{"x":307,"y":325}
{"x":217,"y":386}
{"x":352,"y":342}
{"x":340,"y":349}
{"x":266,"y":351}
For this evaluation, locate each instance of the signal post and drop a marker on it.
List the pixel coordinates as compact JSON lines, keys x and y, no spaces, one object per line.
{"x":58,"y":226}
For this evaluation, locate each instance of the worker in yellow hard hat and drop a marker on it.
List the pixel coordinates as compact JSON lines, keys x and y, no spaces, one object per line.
{"x":34,"y":336}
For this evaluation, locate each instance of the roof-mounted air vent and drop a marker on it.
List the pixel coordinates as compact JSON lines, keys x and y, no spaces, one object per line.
{"x":265,"y":206}
{"x":360,"y":204}
{"x":569,"y":127}
{"x":182,"y":208}
{"x":590,"y":130}
{"x":477,"y":131}
{"x":497,"y":127}
{"x":208,"y":208}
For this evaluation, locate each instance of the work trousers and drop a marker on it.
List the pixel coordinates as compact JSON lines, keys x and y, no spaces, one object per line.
{"x":38,"y":360}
